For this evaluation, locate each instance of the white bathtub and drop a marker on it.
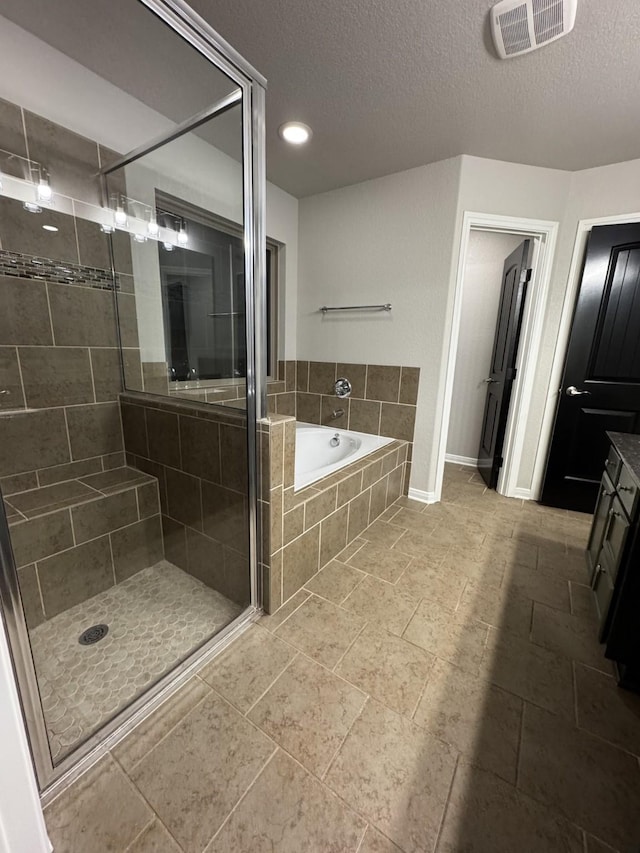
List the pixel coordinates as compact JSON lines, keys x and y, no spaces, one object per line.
{"x":316,"y":458}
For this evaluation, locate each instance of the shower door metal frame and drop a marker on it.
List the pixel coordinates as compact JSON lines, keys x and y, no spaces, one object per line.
{"x":53,"y":778}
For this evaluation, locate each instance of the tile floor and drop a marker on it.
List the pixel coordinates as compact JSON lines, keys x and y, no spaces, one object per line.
{"x":156,"y":618}
{"x":438,"y":687}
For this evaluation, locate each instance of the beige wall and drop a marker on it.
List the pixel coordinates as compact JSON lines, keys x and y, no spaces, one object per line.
{"x":386,"y":240}
{"x":482,"y":285}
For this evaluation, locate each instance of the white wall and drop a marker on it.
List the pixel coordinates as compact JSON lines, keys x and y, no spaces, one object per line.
{"x":386,"y":240}
{"x":482,"y":286}
{"x":21,"y":822}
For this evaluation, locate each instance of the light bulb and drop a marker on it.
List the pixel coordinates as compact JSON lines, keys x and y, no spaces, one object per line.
{"x":153,"y":228}
{"x":120,"y":217}
{"x":183,"y":237}
{"x":295,"y":132}
{"x":168,"y":246}
{"x":45,"y":194}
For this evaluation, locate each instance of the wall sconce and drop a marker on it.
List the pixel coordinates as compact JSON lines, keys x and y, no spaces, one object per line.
{"x":44,"y":192}
{"x":183,"y":237}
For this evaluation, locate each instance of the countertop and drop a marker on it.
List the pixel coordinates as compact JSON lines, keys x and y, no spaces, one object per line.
{"x":628,"y":446}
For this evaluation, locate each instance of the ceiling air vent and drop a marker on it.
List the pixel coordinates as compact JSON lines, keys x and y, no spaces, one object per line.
{"x":519,"y":27}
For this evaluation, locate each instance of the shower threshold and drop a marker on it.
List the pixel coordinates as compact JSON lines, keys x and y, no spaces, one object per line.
{"x":156,"y":618}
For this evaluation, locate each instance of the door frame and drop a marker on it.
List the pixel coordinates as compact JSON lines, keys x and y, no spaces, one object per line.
{"x":544,"y":234}
{"x":562,"y":344}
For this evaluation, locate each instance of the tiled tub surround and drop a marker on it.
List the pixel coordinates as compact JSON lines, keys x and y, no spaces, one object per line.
{"x":74,"y":539}
{"x":198,"y":452}
{"x":303,"y":531}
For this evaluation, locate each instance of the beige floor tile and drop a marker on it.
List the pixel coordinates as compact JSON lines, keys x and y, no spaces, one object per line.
{"x":335,"y":581}
{"x":350,"y":550}
{"x":568,"y":635}
{"x":502,"y":608}
{"x":435,"y":583}
{"x":487,"y":815}
{"x":590,"y":782}
{"x":383,"y":604}
{"x":606,"y":710}
{"x":541,"y":587}
{"x":154,"y":839}
{"x":421,"y":522}
{"x":308,"y":711}
{"x":380,"y":562}
{"x":382,"y":533}
{"x":562,"y":562}
{"x":321,"y":630}
{"x":196,"y":775}
{"x":478,"y":719}
{"x":288,"y":811}
{"x":150,"y":731}
{"x":375,"y":842}
{"x":531,"y":672}
{"x":395,"y":774}
{"x":410,"y":503}
{"x":274,"y":621}
{"x":101,"y":811}
{"x":387,"y":667}
{"x":247,"y":667}
{"x":439,"y":631}
{"x":465,"y":534}
{"x":420,"y":545}
{"x":487,"y":570}
{"x":582,"y":601}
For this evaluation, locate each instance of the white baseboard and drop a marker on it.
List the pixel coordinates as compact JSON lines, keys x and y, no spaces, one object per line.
{"x":461,"y":460}
{"x":423,"y":497}
{"x":522,"y":494}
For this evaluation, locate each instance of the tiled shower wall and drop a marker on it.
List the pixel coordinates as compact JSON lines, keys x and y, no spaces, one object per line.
{"x":198,"y":452}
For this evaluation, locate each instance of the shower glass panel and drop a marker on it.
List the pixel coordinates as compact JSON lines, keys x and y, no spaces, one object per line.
{"x":127,"y":486}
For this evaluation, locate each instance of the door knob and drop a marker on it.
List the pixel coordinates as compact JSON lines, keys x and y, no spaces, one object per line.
{"x":572,"y":391}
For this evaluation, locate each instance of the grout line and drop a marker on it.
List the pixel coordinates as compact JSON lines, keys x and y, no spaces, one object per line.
{"x":53,"y":336}
{"x":341,"y":744}
{"x":423,"y":689}
{"x":360,"y":843}
{"x":93,"y":381}
{"x":141,"y":833}
{"x":520,"y":735}
{"x":352,"y":643}
{"x":279,"y":675}
{"x":446,"y":805}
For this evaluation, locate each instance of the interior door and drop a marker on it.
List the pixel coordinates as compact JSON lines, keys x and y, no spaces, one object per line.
{"x":601,"y":384}
{"x":515,"y":277}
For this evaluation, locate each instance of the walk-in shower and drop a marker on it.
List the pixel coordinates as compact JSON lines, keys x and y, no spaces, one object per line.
{"x":128,"y":526}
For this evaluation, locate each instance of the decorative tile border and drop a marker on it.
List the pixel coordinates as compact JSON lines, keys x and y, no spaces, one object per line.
{"x":31,"y":266}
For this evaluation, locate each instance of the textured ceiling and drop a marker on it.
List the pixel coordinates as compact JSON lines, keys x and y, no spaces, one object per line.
{"x":385,"y":85}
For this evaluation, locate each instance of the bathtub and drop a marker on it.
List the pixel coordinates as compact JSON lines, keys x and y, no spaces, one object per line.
{"x":316,"y":458}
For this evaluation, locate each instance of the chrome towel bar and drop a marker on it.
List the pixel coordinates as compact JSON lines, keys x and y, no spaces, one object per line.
{"x":385,"y":307}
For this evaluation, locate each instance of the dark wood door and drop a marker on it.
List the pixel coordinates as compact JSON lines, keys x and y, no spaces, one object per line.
{"x":502,"y":370}
{"x":601,"y":384}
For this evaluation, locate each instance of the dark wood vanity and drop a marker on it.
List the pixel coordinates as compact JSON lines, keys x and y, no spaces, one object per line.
{"x":613,"y":557}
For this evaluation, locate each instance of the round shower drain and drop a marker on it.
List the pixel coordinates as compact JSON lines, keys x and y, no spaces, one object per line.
{"x":93,"y":634}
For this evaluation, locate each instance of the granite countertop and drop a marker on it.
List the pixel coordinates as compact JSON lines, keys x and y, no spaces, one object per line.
{"x":628,"y":446}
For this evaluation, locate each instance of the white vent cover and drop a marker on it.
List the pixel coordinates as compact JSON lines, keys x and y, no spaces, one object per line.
{"x":519,"y":26}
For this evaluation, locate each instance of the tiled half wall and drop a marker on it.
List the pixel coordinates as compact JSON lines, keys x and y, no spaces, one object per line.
{"x":198,"y":453}
{"x":302,"y":531}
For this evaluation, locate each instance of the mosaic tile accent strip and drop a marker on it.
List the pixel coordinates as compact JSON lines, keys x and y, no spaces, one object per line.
{"x":156,"y":618}
{"x":31,"y":266}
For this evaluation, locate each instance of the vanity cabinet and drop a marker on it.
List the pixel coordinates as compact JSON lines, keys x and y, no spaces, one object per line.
{"x":613,"y":557}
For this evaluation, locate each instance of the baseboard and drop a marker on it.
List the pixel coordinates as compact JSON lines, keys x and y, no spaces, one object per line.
{"x":461,"y":460}
{"x":423,"y":497}
{"x":522,"y":494}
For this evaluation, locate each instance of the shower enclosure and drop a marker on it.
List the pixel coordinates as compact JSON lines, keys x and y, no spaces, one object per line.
{"x":131,"y":366}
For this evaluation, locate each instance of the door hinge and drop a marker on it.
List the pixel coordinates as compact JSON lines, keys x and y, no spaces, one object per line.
{"x":499,"y":462}
{"x":525,"y":276}
{"x":511,"y":372}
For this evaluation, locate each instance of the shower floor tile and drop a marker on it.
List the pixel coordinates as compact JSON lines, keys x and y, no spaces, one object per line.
{"x":155,"y":619}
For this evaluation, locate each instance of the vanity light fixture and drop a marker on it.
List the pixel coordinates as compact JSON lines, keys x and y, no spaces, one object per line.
{"x":153,"y":228}
{"x":120,"y":217}
{"x":43,"y":190}
{"x":295,"y":132}
{"x":32,"y":207}
{"x":183,"y":237}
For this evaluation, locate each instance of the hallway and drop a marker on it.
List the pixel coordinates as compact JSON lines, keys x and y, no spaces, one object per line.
{"x":438,"y":687}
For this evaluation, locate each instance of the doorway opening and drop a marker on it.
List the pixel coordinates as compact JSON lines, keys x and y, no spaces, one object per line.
{"x":486,"y":241}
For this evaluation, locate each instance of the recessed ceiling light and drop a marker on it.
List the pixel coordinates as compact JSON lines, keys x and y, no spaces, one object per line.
{"x":295,"y":132}
{"x":49,"y":227}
